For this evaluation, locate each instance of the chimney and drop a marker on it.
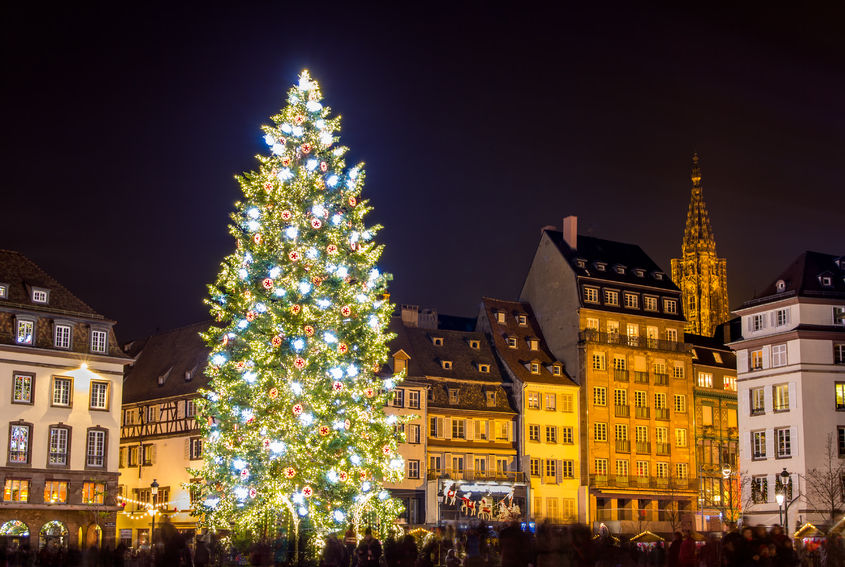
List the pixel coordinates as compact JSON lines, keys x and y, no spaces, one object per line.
{"x":570,"y":231}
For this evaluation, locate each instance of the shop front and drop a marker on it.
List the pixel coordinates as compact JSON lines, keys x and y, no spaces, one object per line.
{"x":467,"y":501}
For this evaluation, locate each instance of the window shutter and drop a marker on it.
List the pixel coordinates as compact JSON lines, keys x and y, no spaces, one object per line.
{"x":792,"y":399}
{"x":542,"y":471}
{"x":447,"y":432}
{"x":153,"y":454}
{"x":767,"y":356}
{"x":749,"y":325}
{"x":187,"y":449}
{"x":793,"y":441}
{"x":440,"y":429}
{"x":469,"y":430}
{"x":559,"y":471}
{"x":774,"y":318}
{"x":122,"y":463}
{"x":487,"y":429}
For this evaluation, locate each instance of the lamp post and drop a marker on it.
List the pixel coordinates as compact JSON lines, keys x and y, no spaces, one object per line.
{"x":779,"y":498}
{"x":154,"y":494}
{"x":785,"y":484}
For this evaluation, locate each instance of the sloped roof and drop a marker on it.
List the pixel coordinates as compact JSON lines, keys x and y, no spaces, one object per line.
{"x":426,"y":357}
{"x":612,"y":253}
{"x":803,"y":278}
{"x":22,"y":274}
{"x":705,"y":349}
{"x":169,"y":354}
{"x":517,"y":358}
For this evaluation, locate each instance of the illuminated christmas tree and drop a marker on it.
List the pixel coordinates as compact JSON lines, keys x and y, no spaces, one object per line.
{"x":293,"y":416}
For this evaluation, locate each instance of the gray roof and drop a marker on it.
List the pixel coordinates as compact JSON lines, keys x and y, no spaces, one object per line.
{"x":803,"y":277}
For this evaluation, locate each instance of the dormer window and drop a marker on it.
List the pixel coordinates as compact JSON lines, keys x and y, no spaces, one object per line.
{"x":670,"y":306}
{"x":839,"y":315}
{"x":188,"y":375}
{"x":534,"y":344}
{"x":485,"y":368}
{"x":611,"y":297}
{"x":40,"y":295}
{"x":522,"y":320}
{"x":620,"y":269}
{"x":99,"y":341}
{"x":446,"y":364}
{"x":694,"y":354}
{"x":500,"y":317}
{"x":474,"y":344}
{"x":534,"y":367}
{"x":632,"y":301}
{"x":780,"y":286}
{"x":639,"y":272}
{"x":491,"y":398}
{"x":437,"y":341}
{"x":25,"y":332}
{"x":556,"y":369}
{"x":581,"y":263}
{"x":512,"y":342}
{"x":826,"y":281}
{"x":717,"y":357}
{"x":658,"y":276}
{"x":453,"y":395}
{"x":4,"y":291}
{"x":600,"y":266}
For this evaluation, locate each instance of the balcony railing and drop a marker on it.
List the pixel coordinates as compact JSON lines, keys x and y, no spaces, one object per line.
{"x":644,"y":447}
{"x":640,"y":377}
{"x":643,"y":412}
{"x":661,"y":379}
{"x":620,"y":375}
{"x":623,"y":446}
{"x":662,"y":449}
{"x":593,"y":336}
{"x":622,"y":411}
{"x":471,"y":474}
{"x":643,"y":482}
{"x":661,"y":413}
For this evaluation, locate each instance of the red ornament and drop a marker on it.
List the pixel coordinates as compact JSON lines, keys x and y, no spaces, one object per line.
{"x":253,"y":492}
{"x":299,"y":119}
{"x":386,"y":449}
{"x":276,"y":341}
{"x":309,"y":330}
{"x":250,"y":421}
{"x":290,"y":472}
{"x":324,"y":430}
{"x":342,"y":476}
{"x":294,"y":256}
{"x":347,"y":424}
{"x":240,"y":365}
{"x":297,"y":409}
{"x":316,"y":280}
{"x":299,"y":362}
{"x":256,"y":238}
{"x":295,"y":309}
{"x":265,"y":443}
{"x":331,"y":249}
{"x":307,"y":492}
{"x":337,"y":386}
{"x":244,"y":473}
{"x":286,"y":215}
{"x":324,"y":166}
{"x":346,"y":311}
{"x":353,"y":201}
{"x":316,"y":223}
{"x":268,"y":186}
{"x":369,"y":392}
{"x":267,"y":283}
{"x":273,"y":393}
{"x":342,"y":348}
{"x":225,"y":340}
{"x":306,"y":148}
{"x":353,"y":246}
{"x":286,"y":161}
{"x":250,"y":315}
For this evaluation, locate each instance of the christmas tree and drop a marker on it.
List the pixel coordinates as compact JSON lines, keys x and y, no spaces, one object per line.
{"x":293,"y":415}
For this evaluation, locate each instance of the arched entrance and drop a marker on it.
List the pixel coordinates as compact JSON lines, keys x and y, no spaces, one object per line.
{"x":14,"y":534}
{"x":53,"y":535}
{"x":93,"y":536}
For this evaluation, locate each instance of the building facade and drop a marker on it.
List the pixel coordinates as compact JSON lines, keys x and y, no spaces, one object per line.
{"x":699,"y":272}
{"x":791,"y":388}
{"x":716,"y":433}
{"x":546,"y":400}
{"x":471,"y":452}
{"x":615,"y":319}
{"x":64,"y":375}
{"x":160,"y":440}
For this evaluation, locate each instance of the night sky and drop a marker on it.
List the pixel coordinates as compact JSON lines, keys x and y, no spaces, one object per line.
{"x":123,"y":127}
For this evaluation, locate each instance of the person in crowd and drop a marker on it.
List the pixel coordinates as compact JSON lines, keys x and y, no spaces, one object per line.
{"x":673,"y":557}
{"x":334,"y":553}
{"x":369,"y":550}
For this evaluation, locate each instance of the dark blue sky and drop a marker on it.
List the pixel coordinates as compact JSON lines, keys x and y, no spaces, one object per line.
{"x":123,"y":127}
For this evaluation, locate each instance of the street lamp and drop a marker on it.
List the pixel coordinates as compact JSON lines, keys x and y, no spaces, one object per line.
{"x":785,"y":483}
{"x":779,"y":499}
{"x":154,"y":494}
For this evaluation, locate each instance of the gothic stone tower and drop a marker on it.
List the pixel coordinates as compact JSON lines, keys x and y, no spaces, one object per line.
{"x":700,"y":274}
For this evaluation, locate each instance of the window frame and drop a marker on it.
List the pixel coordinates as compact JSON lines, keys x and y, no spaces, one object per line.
{"x":591,"y":294}
{"x":533,"y":433}
{"x":105,"y":334}
{"x":31,"y":376}
{"x":20,"y":481}
{"x":779,"y":408}
{"x":631,"y":300}
{"x":40,"y":291}
{"x":60,"y":484}
{"x":778,"y":431}
{"x":54,"y":380}
{"x":29,"y":436}
{"x":670,"y":306}
{"x":91,"y":496}
{"x":780,"y":357}
{"x":105,"y":454}
{"x":62,"y":325}
{"x":20,"y":320}
{"x":650,"y":303}
{"x":411,"y":473}
{"x":755,"y":454}
{"x":193,"y":455}
{"x":107,"y":384}
{"x":414,"y":399}
{"x":68,"y":437}
{"x":611,"y":297}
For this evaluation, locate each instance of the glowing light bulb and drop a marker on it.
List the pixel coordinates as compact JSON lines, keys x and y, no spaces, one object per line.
{"x":332,"y":180}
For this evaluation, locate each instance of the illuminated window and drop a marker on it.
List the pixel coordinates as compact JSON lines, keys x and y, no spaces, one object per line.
{"x":533,"y":344}
{"x":759,"y":489}
{"x":55,"y":491}
{"x":19,"y":437}
{"x":534,"y":433}
{"x":22,"y":389}
{"x":62,"y":388}
{"x":551,"y":402}
{"x":96,"y":452}
{"x":592,"y":324}
{"x":39,"y":295}
{"x":642,"y":468}
{"x":729,"y":383}
{"x":632,"y":301}
{"x":705,"y":380}
{"x":599,"y":396}
{"x":100,"y":395}
{"x":717,"y":357}
{"x":16,"y":490}
{"x":650,"y":303}
{"x":758,"y":401}
{"x":25,"y":332}
{"x":757,"y":359}
{"x":522,"y":320}
{"x":680,"y":437}
{"x":599,"y":431}
{"x":600,"y":466}
{"x":611,"y":297}
{"x":780,"y":395}
{"x":682,"y":470}
{"x":500,"y":316}
{"x":58,"y":446}
{"x":95,"y":493}
{"x":591,"y":294}
{"x":533,"y":400}
{"x":4,"y":291}
{"x":670,"y":306}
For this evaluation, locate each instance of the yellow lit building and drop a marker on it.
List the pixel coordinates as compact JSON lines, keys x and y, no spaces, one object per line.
{"x":701,"y":275}
{"x":615,"y":319}
{"x":547,"y":402}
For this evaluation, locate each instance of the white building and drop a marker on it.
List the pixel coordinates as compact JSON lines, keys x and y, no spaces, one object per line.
{"x":791,"y":385}
{"x":63,"y":374}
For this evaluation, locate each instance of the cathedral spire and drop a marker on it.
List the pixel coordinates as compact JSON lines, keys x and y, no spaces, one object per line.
{"x":699,"y":273}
